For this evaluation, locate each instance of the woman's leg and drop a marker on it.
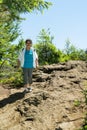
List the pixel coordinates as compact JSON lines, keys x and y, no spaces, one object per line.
{"x":30,"y":71}
{"x":25,"y":77}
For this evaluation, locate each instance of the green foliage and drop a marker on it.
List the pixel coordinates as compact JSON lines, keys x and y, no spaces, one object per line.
{"x":73,"y":53}
{"x":20,"y":45}
{"x":10,"y":11}
{"x":85,"y":94}
{"x":84,"y":126}
{"x":14,"y":8}
{"x":11,"y":76}
{"x":8,"y":72}
{"x":45,"y":36}
{"x":77,"y":103}
{"x":8,"y":33}
{"x":64,"y":57}
{"x":11,"y":54}
{"x":71,"y":50}
{"x":47,"y":52}
{"x":10,"y":18}
{"x":82,"y":55}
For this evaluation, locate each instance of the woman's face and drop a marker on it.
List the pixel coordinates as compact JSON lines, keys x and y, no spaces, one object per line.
{"x":28,"y":45}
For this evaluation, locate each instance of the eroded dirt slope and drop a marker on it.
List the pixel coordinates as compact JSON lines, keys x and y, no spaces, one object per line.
{"x":56,"y":102}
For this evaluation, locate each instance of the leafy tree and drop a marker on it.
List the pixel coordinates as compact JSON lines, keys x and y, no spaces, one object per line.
{"x":10,"y":18}
{"x":82,"y":55}
{"x":10,"y":11}
{"x":73,"y":53}
{"x":13,"y":8}
{"x":8,"y":33}
{"x":44,"y":36}
{"x":46,"y":50}
{"x":69,"y":48}
{"x":70,"y":51}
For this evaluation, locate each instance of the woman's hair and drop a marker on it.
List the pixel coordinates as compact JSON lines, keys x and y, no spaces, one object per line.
{"x":28,"y":40}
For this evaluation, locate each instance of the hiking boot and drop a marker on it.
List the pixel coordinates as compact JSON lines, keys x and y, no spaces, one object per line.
{"x":29,"y":89}
{"x":26,"y":90}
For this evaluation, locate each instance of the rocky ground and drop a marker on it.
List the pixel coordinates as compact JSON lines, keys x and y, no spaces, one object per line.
{"x":56,"y":102}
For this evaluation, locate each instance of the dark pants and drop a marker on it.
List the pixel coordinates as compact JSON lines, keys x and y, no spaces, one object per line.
{"x":27,"y":75}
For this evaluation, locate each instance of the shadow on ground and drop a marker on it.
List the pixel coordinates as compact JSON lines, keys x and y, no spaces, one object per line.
{"x":11,"y":99}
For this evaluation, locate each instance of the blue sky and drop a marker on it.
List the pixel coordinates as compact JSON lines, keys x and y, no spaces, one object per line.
{"x":67,"y":19}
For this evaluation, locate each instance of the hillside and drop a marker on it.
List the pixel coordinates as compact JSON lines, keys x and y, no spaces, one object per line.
{"x":56,"y":102}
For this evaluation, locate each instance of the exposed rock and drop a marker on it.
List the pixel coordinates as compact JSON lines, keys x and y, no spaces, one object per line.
{"x":56,"y":102}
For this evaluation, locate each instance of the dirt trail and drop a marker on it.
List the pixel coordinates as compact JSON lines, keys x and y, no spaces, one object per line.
{"x":56,"y":102}
{"x":3,"y":92}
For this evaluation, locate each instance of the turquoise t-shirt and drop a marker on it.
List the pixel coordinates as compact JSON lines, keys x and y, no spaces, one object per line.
{"x":28,"y":59}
